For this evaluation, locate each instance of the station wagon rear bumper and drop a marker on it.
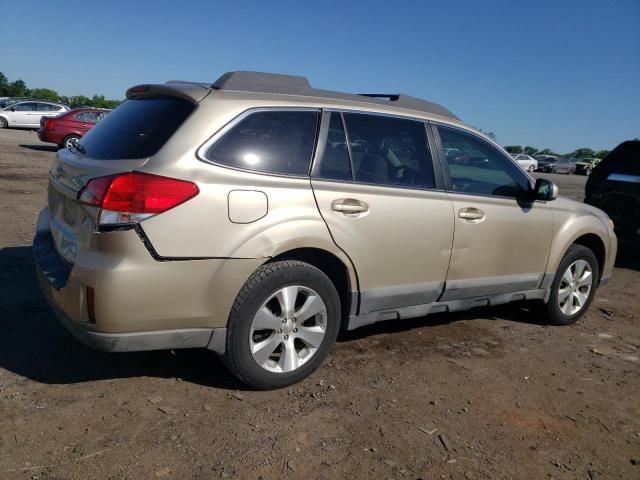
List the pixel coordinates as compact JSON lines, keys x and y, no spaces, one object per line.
{"x":174,"y":314}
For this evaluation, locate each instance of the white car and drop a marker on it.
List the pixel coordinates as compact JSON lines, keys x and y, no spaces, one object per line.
{"x":29,"y":112}
{"x":528,"y":163}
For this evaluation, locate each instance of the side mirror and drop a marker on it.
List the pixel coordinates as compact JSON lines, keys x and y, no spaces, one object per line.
{"x":545,"y":190}
{"x":13,"y":109}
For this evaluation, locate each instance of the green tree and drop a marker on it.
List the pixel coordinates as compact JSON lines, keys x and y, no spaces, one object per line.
{"x":18,"y":89}
{"x":513,"y":149}
{"x":80,"y":101}
{"x":530,"y":150}
{"x":45,"y":94}
{"x":602,"y":153}
{"x":4,"y":85}
{"x":583,"y":153}
{"x":547,"y":151}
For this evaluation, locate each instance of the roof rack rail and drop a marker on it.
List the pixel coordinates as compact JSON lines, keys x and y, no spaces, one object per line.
{"x":391,"y":96}
{"x":258,"y":82}
{"x":200,"y":84}
{"x":255,"y":81}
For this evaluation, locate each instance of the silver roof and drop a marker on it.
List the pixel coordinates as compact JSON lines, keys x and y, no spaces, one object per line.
{"x":257,"y":82}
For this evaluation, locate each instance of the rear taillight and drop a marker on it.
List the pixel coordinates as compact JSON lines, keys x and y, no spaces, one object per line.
{"x":131,"y":197}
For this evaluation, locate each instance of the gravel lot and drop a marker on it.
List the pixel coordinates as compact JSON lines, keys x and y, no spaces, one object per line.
{"x":489,"y":393}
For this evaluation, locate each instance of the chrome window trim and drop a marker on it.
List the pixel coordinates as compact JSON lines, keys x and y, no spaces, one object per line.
{"x":204,"y":148}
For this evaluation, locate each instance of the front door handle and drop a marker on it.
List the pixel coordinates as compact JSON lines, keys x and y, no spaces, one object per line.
{"x":349,"y":206}
{"x":471,"y":214}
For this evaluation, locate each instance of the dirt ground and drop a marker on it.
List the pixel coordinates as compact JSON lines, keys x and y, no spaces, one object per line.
{"x":489,"y":393}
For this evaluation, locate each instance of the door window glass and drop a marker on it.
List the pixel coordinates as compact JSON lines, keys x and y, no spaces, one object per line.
{"x":476,"y":167}
{"x":335,"y":164}
{"x":25,"y":107}
{"x":389,"y":151}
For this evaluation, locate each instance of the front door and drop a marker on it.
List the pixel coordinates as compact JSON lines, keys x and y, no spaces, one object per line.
{"x":376,"y":189}
{"x":501,"y":243}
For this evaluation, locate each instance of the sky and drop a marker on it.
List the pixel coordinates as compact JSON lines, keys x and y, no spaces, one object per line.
{"x":561,"y":74}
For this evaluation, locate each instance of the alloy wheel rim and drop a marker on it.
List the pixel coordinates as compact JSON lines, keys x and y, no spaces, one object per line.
{"x":288,"y":329}
{"x":575,"y":287}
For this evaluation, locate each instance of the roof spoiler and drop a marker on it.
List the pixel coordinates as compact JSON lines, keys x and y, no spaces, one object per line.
{"x":189,"y":91}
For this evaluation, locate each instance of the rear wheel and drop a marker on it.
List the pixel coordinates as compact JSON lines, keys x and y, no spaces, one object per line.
{"x":574,"y":286}
{"x":3,"y":122}
{"x":531,"y":168}
{"x":69,"y":140}
{"x":282,"y":325}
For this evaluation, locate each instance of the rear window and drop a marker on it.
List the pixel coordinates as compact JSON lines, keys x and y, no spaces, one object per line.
{"x":136,"y":129}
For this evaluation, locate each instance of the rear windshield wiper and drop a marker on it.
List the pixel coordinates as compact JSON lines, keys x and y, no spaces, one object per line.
{"x":78,"y":147}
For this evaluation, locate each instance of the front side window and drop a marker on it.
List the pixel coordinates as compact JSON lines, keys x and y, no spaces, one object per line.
{"x":479,"y":168}
{"x":389,"y":151}
{"x":25,"y":107}
{"x":275,"y":141}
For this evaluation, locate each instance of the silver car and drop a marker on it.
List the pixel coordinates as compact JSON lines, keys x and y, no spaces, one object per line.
{"x":27,"y":114}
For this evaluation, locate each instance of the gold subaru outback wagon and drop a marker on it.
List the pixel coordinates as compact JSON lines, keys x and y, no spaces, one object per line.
{"x":258,"y":217}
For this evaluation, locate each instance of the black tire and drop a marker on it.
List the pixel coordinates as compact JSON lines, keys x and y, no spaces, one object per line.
{"x":555,"y":316}
{"x":69,"y":138}
{"x":259,"y":287}
{"x":3,"y":123}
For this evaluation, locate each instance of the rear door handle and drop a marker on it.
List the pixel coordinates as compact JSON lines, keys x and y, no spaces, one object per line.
{"x":471,"y":214}
{"x":349,"y":205}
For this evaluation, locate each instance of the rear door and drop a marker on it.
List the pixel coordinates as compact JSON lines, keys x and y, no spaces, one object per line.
{"x":376,"y":189}
{"x":122,"y":142}
{"x":501,"y":243}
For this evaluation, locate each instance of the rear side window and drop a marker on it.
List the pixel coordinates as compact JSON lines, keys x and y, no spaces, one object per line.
{"x":278,"y":142}
{"x":334,"y":164}
{"x":389,"y":151}
{"x":136,"y":129}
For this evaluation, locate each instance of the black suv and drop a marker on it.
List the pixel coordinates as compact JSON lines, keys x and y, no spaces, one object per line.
{"x":614,"y":186}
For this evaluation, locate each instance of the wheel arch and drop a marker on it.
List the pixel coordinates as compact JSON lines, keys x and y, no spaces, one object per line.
{"x":594,"y":243}
{"x":335,"y":268}
{"x":590,"y":235}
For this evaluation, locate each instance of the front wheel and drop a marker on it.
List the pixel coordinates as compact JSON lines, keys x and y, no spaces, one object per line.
{"x":532,"y":168}
{"x":3,"y":122}
{"x":574,"y":286}
{"x":282,"y":325}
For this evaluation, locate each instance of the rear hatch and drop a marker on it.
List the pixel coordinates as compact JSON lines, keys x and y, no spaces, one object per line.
{"x":124,"y":141}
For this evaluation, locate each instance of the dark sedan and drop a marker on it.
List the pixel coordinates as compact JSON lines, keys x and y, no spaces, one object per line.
{"x":556,"y":165}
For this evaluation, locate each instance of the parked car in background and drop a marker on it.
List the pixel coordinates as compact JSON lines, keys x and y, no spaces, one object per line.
{"x":528,"y":163}
{"x":210,"y":216}
{"x":69,"y":127}
{"x":7,"y":101}
{"x":585,"y":166}
{"x":546,"y":162}
{"x":614,"y":186}
{"x":552,"y":164}
{"x":27,"y":114}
